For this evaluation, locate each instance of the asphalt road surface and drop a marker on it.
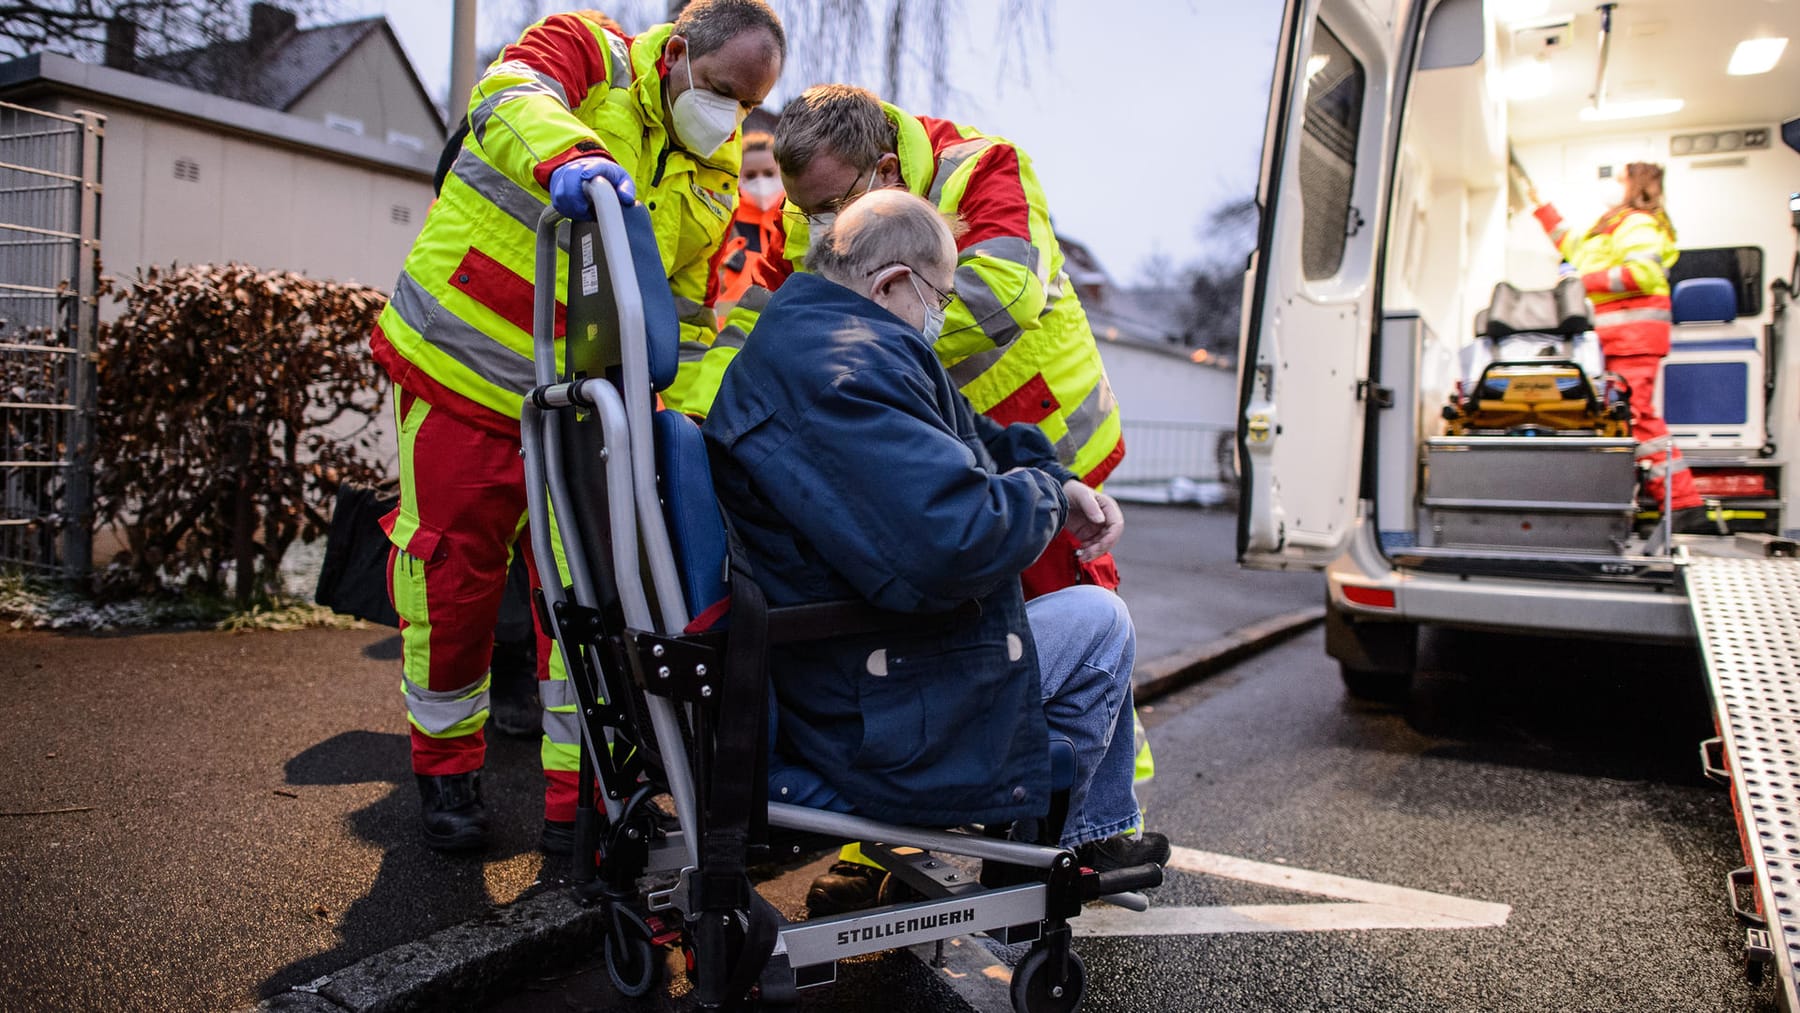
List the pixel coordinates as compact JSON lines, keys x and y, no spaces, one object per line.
{"x":1529,"y":832}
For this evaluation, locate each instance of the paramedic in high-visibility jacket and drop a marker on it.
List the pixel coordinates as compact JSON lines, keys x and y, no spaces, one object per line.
{"x":1623,"y":262}
{"x":573,"y":100}
{"x":1015,"y":340}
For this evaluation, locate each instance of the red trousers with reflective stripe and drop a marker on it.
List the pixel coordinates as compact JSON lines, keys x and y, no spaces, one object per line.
{"x":465,"y":484}
{"x":1646,"y":425}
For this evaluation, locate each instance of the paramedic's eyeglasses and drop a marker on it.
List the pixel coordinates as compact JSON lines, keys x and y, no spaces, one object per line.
{"x":830,"y":208}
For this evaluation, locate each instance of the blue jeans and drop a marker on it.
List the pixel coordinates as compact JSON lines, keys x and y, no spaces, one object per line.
{"x":1085,"y":646}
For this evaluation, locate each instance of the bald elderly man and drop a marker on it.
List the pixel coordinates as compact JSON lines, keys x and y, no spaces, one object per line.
{"x":852,"y":467}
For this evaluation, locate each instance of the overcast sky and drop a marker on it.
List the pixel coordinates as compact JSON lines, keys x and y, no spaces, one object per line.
{"x":1140,"y":117}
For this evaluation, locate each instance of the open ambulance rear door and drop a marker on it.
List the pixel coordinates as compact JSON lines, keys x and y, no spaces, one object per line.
{"x":1305,"y":396}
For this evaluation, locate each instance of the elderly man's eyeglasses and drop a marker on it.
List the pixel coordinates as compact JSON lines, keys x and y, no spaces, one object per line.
{"x":943,"y":298}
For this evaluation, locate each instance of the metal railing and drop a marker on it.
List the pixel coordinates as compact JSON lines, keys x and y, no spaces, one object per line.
{"x":1170,"y":451}
{"x":49,"y":262}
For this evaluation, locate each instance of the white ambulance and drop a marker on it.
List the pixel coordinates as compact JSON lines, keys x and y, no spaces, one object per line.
{"x":1388,"y":220}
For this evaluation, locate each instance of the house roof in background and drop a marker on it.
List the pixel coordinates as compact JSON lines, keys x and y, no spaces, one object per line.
{"x":282,"y":71}
{"x":1155,"y":316}
{"x":51,"y":73}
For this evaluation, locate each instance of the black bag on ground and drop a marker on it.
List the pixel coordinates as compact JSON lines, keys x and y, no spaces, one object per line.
{"x":353,"y":579}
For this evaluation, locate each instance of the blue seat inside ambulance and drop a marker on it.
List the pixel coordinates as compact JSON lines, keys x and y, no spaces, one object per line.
{"x":1713,"y":371}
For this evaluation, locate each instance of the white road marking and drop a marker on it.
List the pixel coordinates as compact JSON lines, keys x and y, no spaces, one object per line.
{"x":981,"y":979}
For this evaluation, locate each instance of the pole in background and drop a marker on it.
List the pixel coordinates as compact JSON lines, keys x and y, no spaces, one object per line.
{"x":462,"y":57}
{"x":78,"y":534}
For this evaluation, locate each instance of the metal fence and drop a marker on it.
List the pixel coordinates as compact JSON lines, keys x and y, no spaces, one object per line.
{"x":1170,"y":451}
{"x":49,"y":260}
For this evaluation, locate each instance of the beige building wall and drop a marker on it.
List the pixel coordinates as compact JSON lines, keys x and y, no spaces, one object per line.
{"x":178,"y":194}
{"x":357,"y":87}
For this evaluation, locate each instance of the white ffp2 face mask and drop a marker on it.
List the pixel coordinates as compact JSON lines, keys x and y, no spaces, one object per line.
{"x":704,"y":120}
{"x":764,"y":191}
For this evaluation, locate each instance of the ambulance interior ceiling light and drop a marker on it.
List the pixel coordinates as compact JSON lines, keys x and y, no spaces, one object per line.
{"x":1755,"y":56}
{"x":1631,"y":110}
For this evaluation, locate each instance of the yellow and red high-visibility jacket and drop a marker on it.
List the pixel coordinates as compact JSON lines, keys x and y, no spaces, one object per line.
{"x":1624,"y":264}
{"x":1015,"y":339}
{"x":457,"y":330}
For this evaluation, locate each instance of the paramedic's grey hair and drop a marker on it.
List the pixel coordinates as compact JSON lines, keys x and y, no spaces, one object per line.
{"x":709,"y":24}
{"x":881,"y":228}
{"x":840,"y":119}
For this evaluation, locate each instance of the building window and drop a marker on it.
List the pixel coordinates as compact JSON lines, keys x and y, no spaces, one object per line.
{"x":409,"y":141}
{"x":187,"y":170}
{"x":400,"y":214}
{"x":348,"y":124}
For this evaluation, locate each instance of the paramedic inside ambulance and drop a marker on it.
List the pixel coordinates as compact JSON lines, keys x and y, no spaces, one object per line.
{"x":1623,"y":261}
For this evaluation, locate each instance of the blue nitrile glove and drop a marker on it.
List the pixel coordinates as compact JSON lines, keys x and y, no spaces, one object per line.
{"x":569,"y":197}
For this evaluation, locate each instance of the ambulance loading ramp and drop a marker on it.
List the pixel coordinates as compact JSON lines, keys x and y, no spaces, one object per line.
{"x":1747,"y":614}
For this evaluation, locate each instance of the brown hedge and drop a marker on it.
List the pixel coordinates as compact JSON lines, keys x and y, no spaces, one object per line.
{"x":215,"y":388}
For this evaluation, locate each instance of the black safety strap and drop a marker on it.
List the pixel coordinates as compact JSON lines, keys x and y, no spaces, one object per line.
{"x":737,"y":799}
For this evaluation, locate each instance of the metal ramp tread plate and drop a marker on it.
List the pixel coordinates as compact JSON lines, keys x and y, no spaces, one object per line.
{"x":1747,"y":614}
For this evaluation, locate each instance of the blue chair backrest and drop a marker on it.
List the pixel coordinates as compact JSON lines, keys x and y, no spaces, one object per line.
{"x":1704,"y":300}
{"x":662,"y":328}
{"x":691,"y":508}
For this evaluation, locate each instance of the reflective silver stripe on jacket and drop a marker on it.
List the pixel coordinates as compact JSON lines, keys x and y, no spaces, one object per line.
{"x":985,"y":306}
{"x":618,"y":60}
{"x":1605,"y":318}
{"x":1650,"y":448}
{"x":439,"y":711}
{"x":491,"y":185}
{"x":952,"y":158}
{"x":480,"y":116}
{"x":1086,"y":420}
{"x":1009,"y":248}
{"x":1662,"y":469}
{"x":696,"y":313}
{"x":480,"y":354}
{"x":970,"y":368}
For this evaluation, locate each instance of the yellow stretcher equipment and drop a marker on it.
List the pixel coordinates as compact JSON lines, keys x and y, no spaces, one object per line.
{"x":1546,"y":393}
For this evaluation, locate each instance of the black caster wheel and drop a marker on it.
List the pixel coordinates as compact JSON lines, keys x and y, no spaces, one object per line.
{"x":1034,"y":989}
{"x":630,"y":955}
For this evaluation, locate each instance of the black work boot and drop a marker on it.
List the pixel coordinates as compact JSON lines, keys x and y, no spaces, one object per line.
{"x":846,"y":886}
{"x":454,"y":818}
{"x":1124,"y":851}
{"x":557,"y":838}
{"x":513,"y":690}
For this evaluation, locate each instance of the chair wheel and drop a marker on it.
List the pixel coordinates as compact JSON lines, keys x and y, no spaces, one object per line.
{"x":1035,"y":990}
{"x":630,"y":954}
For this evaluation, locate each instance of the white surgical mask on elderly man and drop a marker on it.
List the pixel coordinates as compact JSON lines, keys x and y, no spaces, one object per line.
{"x":704,"y":120}
{"x":934,"y":314}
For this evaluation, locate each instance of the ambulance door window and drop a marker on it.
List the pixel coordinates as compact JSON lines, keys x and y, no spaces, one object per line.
{"x":1334,"y":96}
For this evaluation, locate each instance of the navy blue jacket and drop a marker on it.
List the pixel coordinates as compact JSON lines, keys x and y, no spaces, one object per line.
{"x":852,"y":467}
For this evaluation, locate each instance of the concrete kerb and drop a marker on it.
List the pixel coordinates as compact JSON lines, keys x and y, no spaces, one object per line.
{"x":468,"y":964}
{"x":1164,"y":676}
{"x":461,"y":967}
